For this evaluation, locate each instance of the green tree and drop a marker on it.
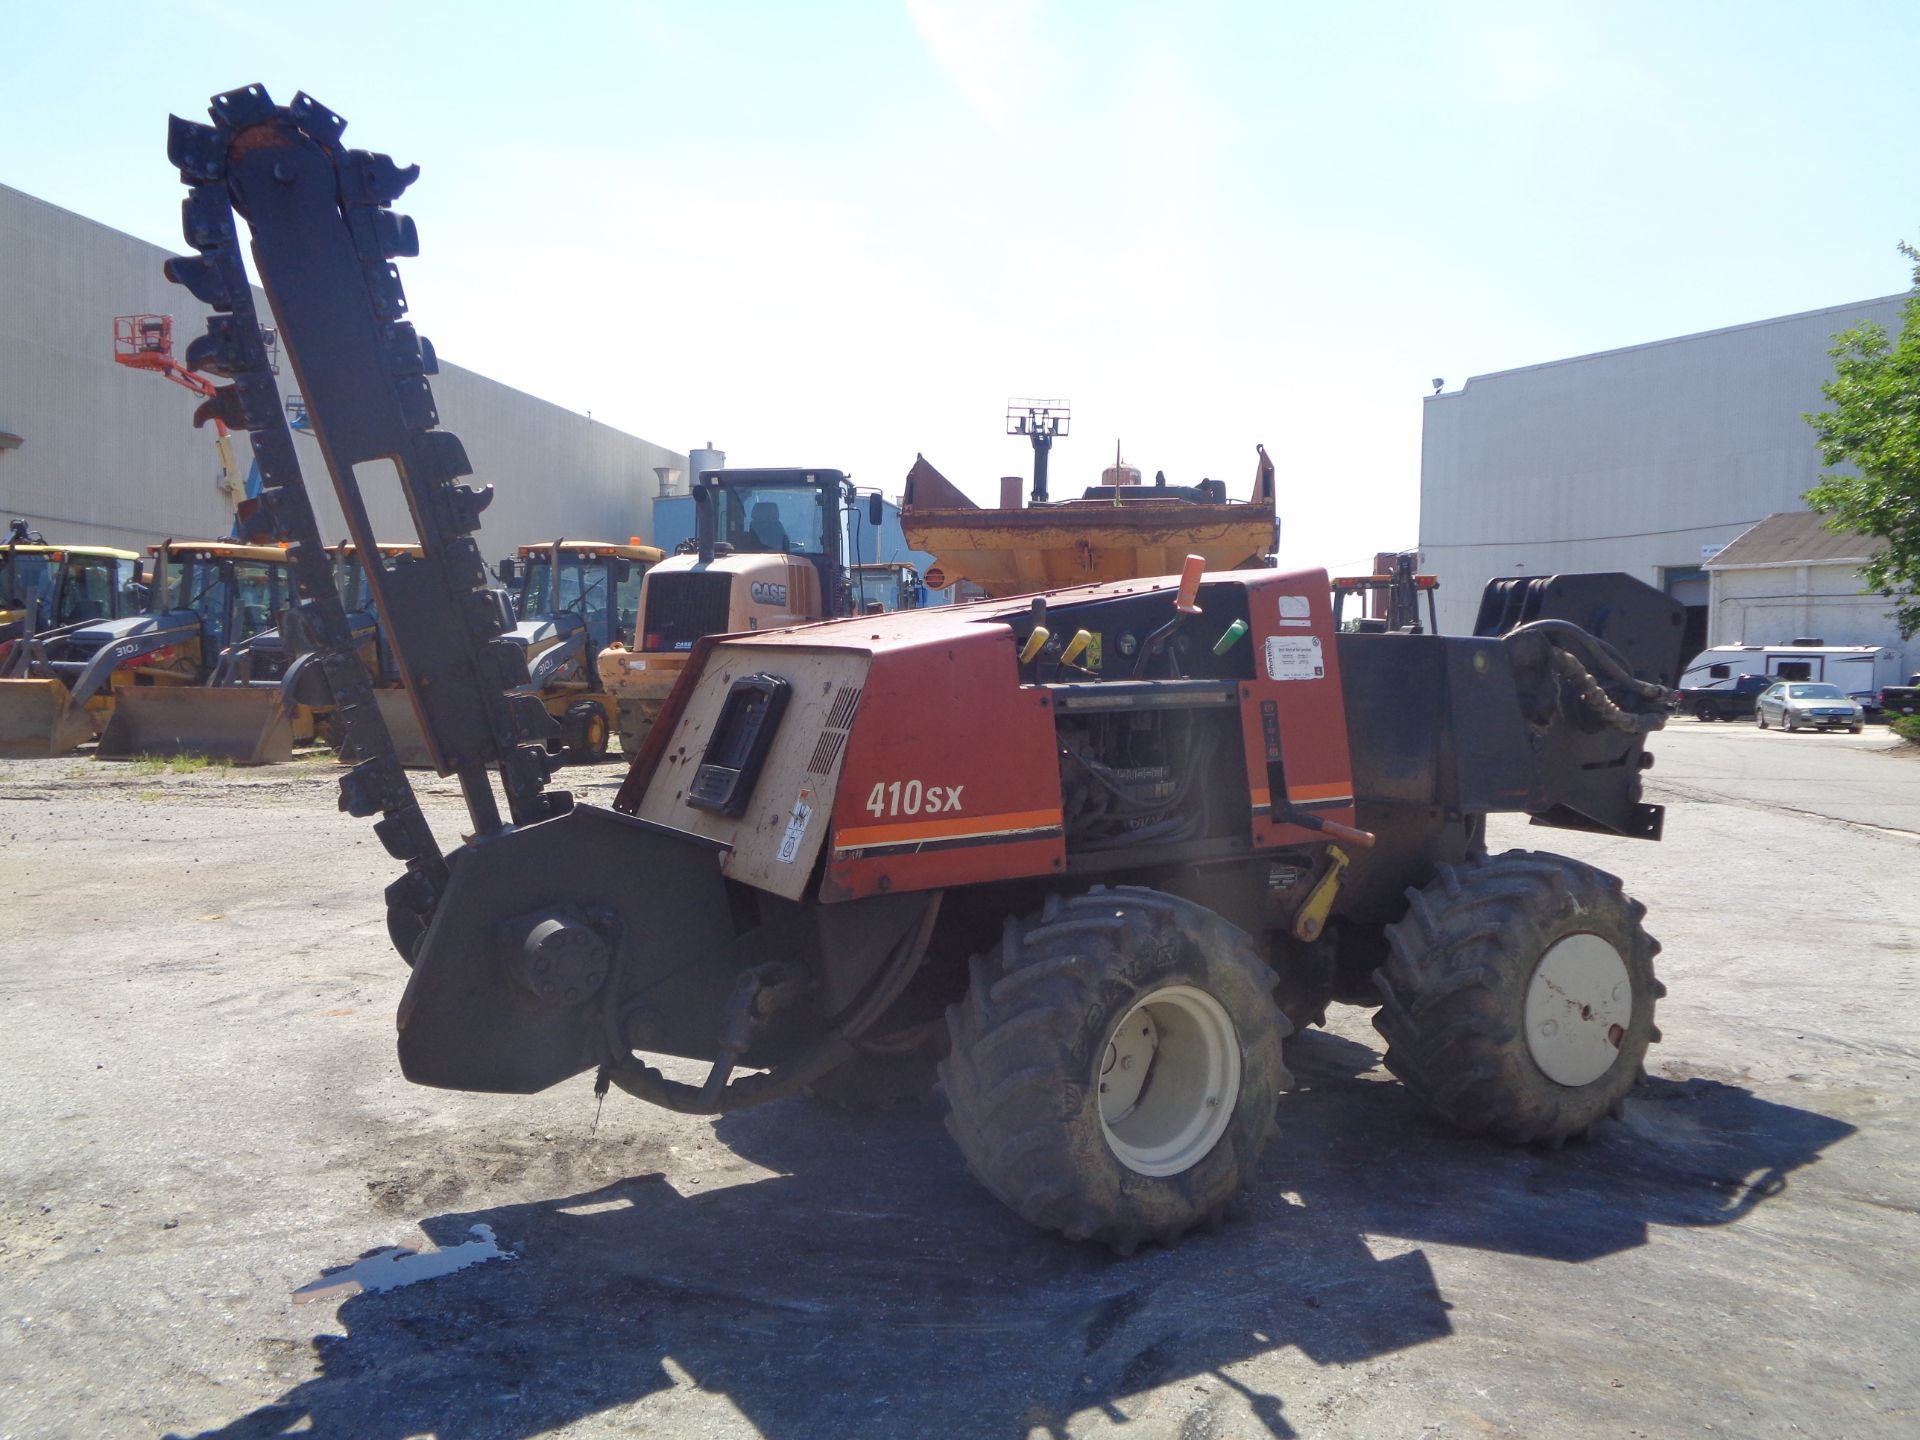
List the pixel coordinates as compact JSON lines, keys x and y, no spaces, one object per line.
{"x":1874,"y":427}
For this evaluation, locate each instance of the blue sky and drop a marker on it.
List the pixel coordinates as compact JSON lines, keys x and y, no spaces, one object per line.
{"x":841,"y":234}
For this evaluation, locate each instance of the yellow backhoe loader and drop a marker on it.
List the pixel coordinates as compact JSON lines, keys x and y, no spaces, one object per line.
{"x":200,"y":671}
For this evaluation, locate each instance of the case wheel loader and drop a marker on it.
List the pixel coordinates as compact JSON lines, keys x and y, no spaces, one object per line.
{"x":770,"y":549}
{"x":1106,"y":882}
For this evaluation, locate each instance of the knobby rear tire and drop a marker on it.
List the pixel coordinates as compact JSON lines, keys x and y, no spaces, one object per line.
{"x":1028,"y":1040}
{"x":1455,"y":985}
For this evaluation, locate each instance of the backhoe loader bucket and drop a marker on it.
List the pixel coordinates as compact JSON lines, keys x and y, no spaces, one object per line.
{"x":38,"y":718}
{"x":243,"y":724}
{"x":409,"y":745}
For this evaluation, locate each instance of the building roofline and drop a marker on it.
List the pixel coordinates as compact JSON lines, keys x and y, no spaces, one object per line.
{"x":1850,"y":307}
{"x":46,"y":204}
{"x":1856,"y":561}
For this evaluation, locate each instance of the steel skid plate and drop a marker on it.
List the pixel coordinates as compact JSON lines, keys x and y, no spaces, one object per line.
{"x":467,"y":1022}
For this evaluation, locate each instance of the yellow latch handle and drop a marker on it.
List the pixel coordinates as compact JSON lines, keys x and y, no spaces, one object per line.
{"x":1312,"y":918}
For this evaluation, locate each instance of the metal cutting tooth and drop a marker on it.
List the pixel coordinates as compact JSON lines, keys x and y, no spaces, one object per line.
{"x":205,"y":218}
{"x":219,"y":351}
{"x":237,"y":109}
{"x":198,"y":152}
{"x":370,"y":178}
{"x":316,"y":120}
{"x":381,"y":234}
{"x":203,"y":277}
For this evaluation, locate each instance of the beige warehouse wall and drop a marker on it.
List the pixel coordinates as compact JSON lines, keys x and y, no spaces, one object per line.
{"x":109,"y":455}
{"x":1630,"y":460}
{"x":1772,"y":604}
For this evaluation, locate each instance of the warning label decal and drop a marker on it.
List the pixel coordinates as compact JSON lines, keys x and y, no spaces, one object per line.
{"x":796,"y":827}
{"x":1294,"y":657}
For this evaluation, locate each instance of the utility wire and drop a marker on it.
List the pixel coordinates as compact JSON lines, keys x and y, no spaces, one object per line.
{"x":1581,"y":539}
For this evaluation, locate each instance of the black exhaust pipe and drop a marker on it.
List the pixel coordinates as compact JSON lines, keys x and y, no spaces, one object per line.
{"x":703,"y":518}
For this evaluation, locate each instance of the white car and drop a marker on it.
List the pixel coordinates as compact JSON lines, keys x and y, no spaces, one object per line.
{"x":1809,"y":705}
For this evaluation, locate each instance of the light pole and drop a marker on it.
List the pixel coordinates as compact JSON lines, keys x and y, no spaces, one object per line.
{"x":1040,"y":421}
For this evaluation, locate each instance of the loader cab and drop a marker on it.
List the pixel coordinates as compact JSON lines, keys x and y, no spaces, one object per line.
{"x":236,"y":591}
{"x":357,"y":598}
{"x":790,"y":512}
{"x":65,"y":585}
{"x":235,"y":596}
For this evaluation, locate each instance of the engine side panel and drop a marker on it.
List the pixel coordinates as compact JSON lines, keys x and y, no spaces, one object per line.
{"x":774,"y":844}
{"x":1293,"y":710}
{"x":952,"y":775}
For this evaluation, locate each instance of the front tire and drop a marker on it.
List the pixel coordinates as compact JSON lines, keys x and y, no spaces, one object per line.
{"x":1519,"y":996}
{"x":1115,"y":1066}
{"x":636,"y":720}
{"x":584,"y":733}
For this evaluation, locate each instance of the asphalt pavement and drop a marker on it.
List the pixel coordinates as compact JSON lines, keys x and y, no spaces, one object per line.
{"x":1808,"y":772}
{"x":203,"y":1118}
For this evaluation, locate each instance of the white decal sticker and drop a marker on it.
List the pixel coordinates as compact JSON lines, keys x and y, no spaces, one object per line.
{"x":796,"y":827}
{"x":1294,"y":657}
{"x":1296,"y":610}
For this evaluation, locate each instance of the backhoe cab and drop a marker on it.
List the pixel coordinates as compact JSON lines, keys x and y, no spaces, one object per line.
{"x":770,"y":548}
{"x":574,"y":598}
{"x":51,"y":587}
{"x":198,"y":672}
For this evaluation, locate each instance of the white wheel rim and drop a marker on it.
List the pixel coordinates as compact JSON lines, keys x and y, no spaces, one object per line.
{"x":1168,"y":1078}
{"x":1579,"y":1004}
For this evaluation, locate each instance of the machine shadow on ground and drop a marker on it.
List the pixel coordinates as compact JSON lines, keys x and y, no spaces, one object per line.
{"x":872,"y":1288}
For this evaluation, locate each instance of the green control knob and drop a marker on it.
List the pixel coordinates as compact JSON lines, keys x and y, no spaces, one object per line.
{"x":1230,"y":637}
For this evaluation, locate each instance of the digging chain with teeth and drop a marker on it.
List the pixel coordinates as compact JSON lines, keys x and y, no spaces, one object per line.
{"x":323,"y":241}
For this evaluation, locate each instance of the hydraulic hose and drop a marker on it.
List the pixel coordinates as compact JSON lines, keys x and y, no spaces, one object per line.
{"x":643,"y":1082}
{"x":1596,"y":699}
{"x":1602,"y":655}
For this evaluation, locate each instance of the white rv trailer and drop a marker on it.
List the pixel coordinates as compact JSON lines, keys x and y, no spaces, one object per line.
{"x":1859,"y":670}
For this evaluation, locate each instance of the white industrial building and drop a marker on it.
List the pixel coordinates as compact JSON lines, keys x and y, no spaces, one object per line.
{"x":93,"y":451}
{"x":1790,"y":577}
{"x":1650,"y":460}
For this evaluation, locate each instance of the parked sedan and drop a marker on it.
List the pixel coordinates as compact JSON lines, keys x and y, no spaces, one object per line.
{"x":1798,"y":705}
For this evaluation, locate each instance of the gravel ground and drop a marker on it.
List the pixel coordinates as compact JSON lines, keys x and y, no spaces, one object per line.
{"x":203,"y":1115}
